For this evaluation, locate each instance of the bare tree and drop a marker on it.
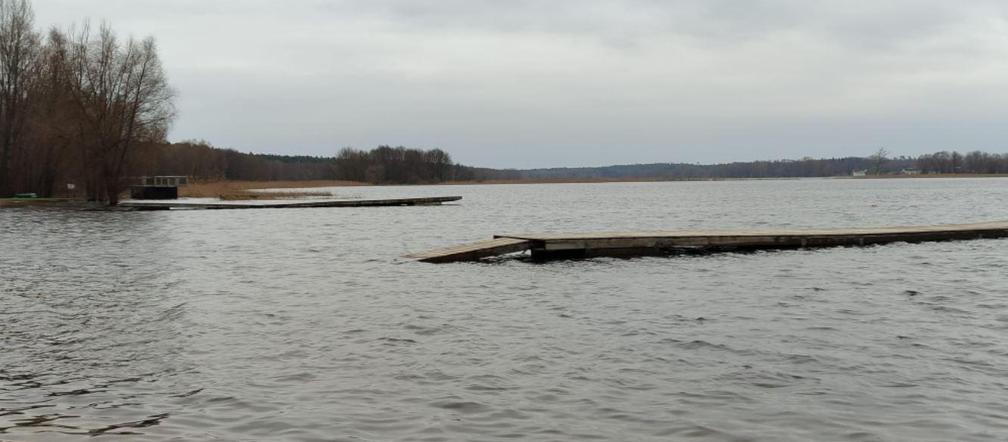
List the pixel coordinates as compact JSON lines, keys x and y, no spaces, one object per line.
{"x":122,"y":99}
{"x":19,"y":53}
{"x":878,"y":159}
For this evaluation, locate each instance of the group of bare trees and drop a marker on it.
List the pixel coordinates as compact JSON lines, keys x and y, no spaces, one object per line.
{"x":972,"y":163}
{"x":382,"y":165}
{"x":398,"y":165}
{"x":75,"y":105}
{"x":201,"y":161}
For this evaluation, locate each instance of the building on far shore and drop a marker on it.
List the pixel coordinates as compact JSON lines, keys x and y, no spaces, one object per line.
{"x":860,"y":173}
{"x":168,"y":181}
{"x":158,"y":187}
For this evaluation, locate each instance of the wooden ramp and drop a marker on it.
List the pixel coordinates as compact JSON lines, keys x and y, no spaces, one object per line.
{"x":221,"y":205}
{"x":628,"y":244}
{"x":474,"y":251}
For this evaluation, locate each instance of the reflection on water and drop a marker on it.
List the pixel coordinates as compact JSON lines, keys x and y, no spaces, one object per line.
{"x":307,"y":324}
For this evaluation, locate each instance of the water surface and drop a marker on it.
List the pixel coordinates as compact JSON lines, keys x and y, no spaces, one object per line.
{"x":305,"y":324}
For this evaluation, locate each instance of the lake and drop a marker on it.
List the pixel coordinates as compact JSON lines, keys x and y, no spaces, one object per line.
{"x":306,"y":324}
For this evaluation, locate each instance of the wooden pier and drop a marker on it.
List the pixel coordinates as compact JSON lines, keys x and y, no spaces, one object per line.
{"x":300,"y":204}
{"x":629,"y":244}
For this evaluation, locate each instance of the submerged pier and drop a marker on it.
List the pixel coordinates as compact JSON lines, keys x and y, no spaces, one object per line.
{"x":222,"y":205}
{"x":630,"y":244}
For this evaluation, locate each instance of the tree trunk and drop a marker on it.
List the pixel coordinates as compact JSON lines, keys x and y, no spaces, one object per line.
{"x":112,"y":189}
{"x":4,"y":177}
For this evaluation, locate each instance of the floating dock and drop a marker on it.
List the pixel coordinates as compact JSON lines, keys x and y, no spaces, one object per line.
{"x":630,"y":244}
{"x":300,"y":204}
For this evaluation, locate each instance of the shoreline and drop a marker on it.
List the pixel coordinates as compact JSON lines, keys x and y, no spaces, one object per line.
{"x":38,"y":202}
{"x":933,"y":175}
{"x":240,"y":190}
{"x":318,"y":184}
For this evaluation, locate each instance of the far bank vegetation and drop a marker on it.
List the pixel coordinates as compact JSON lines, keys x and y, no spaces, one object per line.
{"x":75,"y":105}
{"x":400,"y":165}
{"x":84,"y":111}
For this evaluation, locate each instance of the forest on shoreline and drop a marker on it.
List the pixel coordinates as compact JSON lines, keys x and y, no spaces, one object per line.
{"x":76,"y":104}
{"x":387,"y":165}
{"x":401,"y":165}
{"x":85,"y":113}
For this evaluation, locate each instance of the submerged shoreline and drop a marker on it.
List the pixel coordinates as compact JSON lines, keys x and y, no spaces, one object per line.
{"x":242,"y":190}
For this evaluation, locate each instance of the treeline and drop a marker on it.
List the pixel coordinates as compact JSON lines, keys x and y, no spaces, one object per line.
{"x":76,"y":104}
{"x":941,"y":162}
{"x":387,"y":165}
{"x":683,"y":171}
{"x":382,"y":165}
{"x":201,"y":161}
{"x":400,"y":165}
{"x":972,"y":162}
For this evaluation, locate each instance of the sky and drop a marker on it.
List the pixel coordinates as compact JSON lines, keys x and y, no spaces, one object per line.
{"x":524,"y":83}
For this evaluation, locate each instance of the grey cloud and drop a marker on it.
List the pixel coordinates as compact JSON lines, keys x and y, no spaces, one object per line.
{"x":565,"y":82}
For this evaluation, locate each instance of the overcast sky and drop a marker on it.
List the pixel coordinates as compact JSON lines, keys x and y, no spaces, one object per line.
{"x":521,"y":83}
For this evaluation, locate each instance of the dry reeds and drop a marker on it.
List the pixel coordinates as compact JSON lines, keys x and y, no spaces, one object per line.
{"x":248,"y":190}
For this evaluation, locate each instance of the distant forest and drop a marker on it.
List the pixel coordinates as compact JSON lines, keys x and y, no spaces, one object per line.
{"x":382,"y":165}
{"x":401,"y":165}
{"x":944,"y":162}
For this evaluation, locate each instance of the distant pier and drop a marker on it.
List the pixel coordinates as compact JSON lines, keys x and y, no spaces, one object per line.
{"x":630,"y":244}
{"x":301,"y":204}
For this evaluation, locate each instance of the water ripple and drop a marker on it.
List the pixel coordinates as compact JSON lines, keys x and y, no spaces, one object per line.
{"x":307,"y":325}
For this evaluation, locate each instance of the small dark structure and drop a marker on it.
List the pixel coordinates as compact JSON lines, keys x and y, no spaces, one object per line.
{"x":158,"y":188}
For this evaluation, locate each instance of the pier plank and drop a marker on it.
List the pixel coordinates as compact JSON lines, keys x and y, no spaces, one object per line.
{"x":225,"y":205}
{"x":574,"y":245}
{"x":474,"y":251}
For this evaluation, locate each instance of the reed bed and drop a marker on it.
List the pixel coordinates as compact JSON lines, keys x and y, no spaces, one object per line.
{"x":252,"y":190}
